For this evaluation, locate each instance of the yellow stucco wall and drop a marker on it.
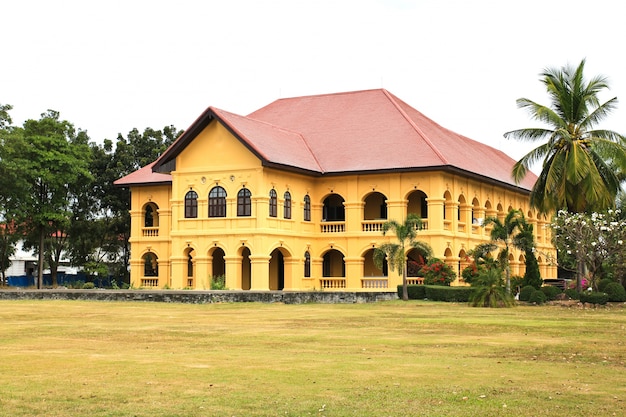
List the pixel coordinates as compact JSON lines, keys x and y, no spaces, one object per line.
{"x":260,"y":252}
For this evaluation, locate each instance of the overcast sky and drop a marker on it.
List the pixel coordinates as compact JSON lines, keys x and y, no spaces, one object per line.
{"x":109,"y":66}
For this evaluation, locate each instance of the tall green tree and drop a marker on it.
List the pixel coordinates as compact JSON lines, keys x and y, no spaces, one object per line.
{"x":47,"y":160}
{"x":525,"y":241}
{"x":579,"y":159}
{"x":503,"y":232}
{"x":395,"y":252}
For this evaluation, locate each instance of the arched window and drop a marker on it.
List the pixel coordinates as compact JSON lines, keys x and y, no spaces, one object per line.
{"x":151,"y":267}
{"x":149,"y":217}
{"x":244,"y":203}
{"x":287,"y":205}
{"x":217,"y":202}
{"x":307,"y":208}
{"x":191,"y":205}
{"x":307,"y":264}
{"x":273,"y":203}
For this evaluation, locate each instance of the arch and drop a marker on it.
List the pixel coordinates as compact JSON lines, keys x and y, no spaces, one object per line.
{"x":499,"y":208}
{"x":415,"y":260}
{"x":287,"y":205}
{"x":334,"y":210}
{"x":189,"y":253}
{"x":191,"y":205}
{"x":307,"y":208}
{"x":447,"y":205}
{"x":375,"y":206}
{"x":246,"y":269}
{"x":333,"y":264}
{"x":217,"y":202}
{"x":277,"y":269}
{"x":218,"y":263}
{"x":150,"y":215}
{"x":475,"y":207}
{"x":487,"y":205}
{"x":151,"y":264}
{"x":417,"y":204}
{"x":273,"y":203}
{"x":462,"y":202}
{"x":244,"y":203}
{"x":369,"y":267}
{"x":307,"y":264}
{"x":447,"y":253}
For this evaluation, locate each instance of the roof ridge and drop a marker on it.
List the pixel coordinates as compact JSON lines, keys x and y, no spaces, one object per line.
{"x":391,"y":98}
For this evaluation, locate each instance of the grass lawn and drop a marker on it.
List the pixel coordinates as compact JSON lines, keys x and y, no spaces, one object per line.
{"x":74,"y":358}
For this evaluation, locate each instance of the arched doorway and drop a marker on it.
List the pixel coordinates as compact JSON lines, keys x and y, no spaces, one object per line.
{"x":369,"y":267}
{"x":277,"y":270}
{"x":218,"y":265}
{"x":246,"y":269}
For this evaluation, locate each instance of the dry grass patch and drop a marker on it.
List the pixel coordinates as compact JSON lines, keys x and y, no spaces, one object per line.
{"x":73,"y":358}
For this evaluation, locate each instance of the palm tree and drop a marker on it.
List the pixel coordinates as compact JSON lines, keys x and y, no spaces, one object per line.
{"x":502,"y":231}
{"x":395,"y":253}
{"x":579,"y":160}
{"x":525,"y":241}
{"x":488,"y":291}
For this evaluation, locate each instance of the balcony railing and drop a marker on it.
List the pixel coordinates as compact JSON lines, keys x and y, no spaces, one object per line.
{"x":150,"y":232}
{"x":372,"y":225}
{"x":333,"y":227}
{"x":414,"y":281}
{"x":332,"y":283}
{"x":149,"y":282}
{"x":374,"y":283}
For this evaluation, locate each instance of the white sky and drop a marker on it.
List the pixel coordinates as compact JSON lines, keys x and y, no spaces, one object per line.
{"x":109,"y":66}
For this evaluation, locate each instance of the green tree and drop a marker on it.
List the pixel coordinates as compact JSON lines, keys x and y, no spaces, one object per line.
{"x":525,"y":241}
{"x":503,"y":232}
{"x":395,"y":253}
{"x":489,"y":291}
{"x":47,"y":159}
{"x":579,"y":160}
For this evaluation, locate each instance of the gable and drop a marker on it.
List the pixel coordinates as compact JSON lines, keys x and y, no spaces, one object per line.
{"x":215,"y":149}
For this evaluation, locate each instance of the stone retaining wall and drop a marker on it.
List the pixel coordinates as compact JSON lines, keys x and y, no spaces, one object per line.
{"x":202,"y":297}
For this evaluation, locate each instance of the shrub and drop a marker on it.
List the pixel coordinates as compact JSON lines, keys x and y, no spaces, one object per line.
{"x":603,"y":283}
{"x":437,"y":272}
{"x":537,"y":297}
{"x":551,"y":292}
{"x":572,"y":293}
{"x":524,"y":294}
{"x":594,"y":297}
{"x":89,"y":286}
{"x":489,"y":290}
{"x":448,"y":294}
{"x":218,"y":282}
{"x":416,"y":292}
{"x":616,"y":292}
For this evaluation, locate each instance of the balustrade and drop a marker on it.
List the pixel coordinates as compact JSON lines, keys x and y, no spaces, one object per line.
{"x":374,"y":283}
{"x":333,"y":227}
{"x":332,"y":283}
{"x":150,"y":232}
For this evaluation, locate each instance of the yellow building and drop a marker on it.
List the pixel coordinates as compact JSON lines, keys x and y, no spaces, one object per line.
{"x":293,"y":196}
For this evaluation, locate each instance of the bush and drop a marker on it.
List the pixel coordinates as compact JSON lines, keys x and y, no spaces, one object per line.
{"x":218,"y":282}
{"x":551,"y":292}
{"x":437,"y":272}
{"x":594,"y":297}
{"x":416,"y":292}
{"x":603,"y":283}
{"x":448,"y":294}
{"x":524,"y":294}
{"x":572,"y":293}
{"x":616,"y":292}
{"x":537,"y":297}
{"x":89,"y":286}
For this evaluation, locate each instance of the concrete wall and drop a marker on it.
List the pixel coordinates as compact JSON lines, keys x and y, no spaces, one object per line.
{"x":201,"y":297}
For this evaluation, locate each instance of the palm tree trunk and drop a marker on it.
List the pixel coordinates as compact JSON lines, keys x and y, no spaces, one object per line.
{"x":405,"y":290}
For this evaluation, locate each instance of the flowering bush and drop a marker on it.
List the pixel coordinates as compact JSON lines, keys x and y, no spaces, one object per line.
{"x":437,"y":272}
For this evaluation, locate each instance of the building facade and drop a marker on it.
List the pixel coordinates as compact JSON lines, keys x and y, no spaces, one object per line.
{"x":294,"y":195}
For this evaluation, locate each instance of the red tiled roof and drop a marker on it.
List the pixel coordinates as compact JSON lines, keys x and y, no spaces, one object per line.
{"x":144,"y":176}
{"x":361,"y":131}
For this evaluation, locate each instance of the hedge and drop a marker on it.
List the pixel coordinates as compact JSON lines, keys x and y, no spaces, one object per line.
{"x":437,"y":293}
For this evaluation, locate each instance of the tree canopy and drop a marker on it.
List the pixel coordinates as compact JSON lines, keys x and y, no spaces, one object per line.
{"x":580,"y":161}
